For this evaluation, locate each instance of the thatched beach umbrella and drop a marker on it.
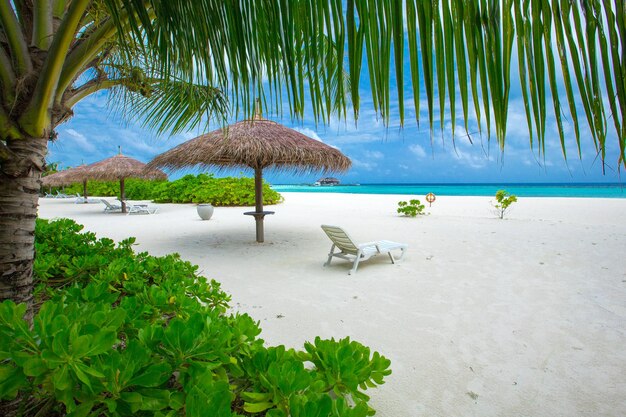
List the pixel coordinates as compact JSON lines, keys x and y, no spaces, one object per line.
{"x":74,"y":175}
{"x":63,"y":178}
{"x":258,"y":144}
{"x":118,"y":168}
{"x":58,"y":179}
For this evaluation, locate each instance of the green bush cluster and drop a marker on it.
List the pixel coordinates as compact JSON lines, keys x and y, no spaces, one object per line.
{"x":229,"y":191}
{"x":410,"y":208}
{"x":119,"y":333}
{"x":203,"y":188}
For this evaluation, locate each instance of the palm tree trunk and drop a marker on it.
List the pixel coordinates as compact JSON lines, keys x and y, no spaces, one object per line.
{"x":20,"y":181}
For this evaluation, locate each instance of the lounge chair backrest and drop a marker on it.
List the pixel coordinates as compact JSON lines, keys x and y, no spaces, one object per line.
{"x":340,"y":238}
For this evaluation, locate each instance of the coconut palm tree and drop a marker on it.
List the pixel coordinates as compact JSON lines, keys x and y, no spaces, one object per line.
{"x":172,"y":62}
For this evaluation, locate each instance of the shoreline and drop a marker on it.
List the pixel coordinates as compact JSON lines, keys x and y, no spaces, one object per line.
{"x":489,"y":317}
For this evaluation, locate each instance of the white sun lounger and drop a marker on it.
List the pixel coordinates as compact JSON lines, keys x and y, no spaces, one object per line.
{"x":110,"y":208}
{"x":356,"y":253}
{"x":141,"y":209}
{"x":82,"y":200}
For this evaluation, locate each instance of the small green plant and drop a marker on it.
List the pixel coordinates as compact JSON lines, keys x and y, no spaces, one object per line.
{"x":503,"y":201}
{"x":410,"y":208}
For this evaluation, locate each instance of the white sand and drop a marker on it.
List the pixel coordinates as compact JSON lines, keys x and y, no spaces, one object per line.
{"x":484,"y":317}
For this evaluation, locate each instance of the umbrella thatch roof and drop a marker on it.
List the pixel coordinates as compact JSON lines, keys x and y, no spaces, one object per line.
{"x":74,"y":175}
{"x":258,"y":144}
{"x":55,"y":180}
{"x":61,"y":178}
{"x":117,"y":167}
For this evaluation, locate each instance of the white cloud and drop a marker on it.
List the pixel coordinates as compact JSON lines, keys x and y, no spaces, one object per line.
{"x":373,"y":155}
{"x":308,"y":132}
{"x":134,"y":143}
{"x":80,"y":140}
{"x":367,"y":166}
{"x":472,"y":161}
{"x":418,"y":151}
{"x":355,"y":138}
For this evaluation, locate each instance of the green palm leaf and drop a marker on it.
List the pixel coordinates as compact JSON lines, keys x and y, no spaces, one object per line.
{"x":300,"y":54}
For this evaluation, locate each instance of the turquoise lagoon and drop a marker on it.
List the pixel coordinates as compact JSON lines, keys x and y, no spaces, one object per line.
{"x":588,"y":190}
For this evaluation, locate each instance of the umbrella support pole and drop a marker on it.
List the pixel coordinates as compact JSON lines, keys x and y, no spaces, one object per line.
{"x":258,"y":218}
{"x":258,"y":212}
{"x":85,"y":198}
{"x":258,"y":204}
{"x":122,"y":197}
{"x":260,"y":234}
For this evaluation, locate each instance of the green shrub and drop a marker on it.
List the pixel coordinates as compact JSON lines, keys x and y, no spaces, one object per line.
{"x":134,"y":189}
{"x":229,"y":191}
{"x":411,"y":208}
{"x":120,"y":333}
{"x":503,"y":202}
{"x":203,"y":188}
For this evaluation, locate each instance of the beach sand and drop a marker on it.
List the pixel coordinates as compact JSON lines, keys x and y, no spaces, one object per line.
{"x":524,"y":316}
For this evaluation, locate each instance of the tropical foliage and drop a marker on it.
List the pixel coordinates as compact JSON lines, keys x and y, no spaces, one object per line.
{"x":410,"y":208}
{"x":51,"y":168}
{"x":134,"y":189}
{"x":145,"y":52}
{"x":203,"y":188}
{"x":119,"y":333}
{"x":504,"y":199}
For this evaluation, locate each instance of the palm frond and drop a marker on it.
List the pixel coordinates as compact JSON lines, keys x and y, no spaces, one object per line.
{"x":170,"y":105}
{"x":292,"y":52}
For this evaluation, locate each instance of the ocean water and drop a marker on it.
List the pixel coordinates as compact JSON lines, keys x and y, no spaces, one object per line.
{"x":596,"y":190}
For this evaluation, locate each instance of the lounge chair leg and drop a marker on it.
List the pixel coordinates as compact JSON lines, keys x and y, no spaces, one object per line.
{"x":354,"y":267}
{"x":402,"y":251}
{"x":356,"y":264}
{"x":391,"y":257}
{"x":330,"y":255}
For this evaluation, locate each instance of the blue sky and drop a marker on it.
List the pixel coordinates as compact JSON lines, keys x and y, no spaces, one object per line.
{"x":379,"y":153}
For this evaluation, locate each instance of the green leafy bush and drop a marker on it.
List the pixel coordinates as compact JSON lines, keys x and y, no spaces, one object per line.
{"x":229,"y":191}
{"x":503,"y":201}
{"x":134,"y":189}
{"x":120,"y":333}
{"x":411,"y":208}
{"x":203,"y":188}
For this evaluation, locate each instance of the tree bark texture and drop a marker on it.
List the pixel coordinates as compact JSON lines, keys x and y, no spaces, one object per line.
{"x":20,"y":182}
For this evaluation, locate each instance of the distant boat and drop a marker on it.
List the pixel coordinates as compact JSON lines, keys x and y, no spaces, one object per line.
{"x":327,"y":181}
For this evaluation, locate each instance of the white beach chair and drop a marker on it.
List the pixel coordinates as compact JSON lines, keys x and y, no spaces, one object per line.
{"x":82,"y":200}
{"x":141,"y":209}
{"x":356,"y":253}
{"x":110,"y":208}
